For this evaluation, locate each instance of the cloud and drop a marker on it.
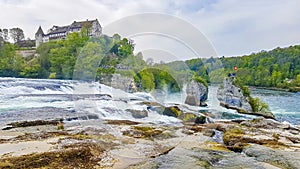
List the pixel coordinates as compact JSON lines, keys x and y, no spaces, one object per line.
{"x":234,"y":27}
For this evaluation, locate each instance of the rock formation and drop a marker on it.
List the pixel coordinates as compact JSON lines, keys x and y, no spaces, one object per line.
{"x":231,"y":96}
{"x":196,"y":93}
{"x":119,"y":82}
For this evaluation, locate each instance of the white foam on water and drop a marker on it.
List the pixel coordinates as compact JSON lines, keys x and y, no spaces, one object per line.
{"x":16,"y":86}
{"x":24,"y":102}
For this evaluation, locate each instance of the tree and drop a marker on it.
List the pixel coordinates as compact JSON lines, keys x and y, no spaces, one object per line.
{"x":10,"y":62}
{"x":3,"y":35}
{"x":123,"y":48}
{"x":17,"y":34}
{"x":116,"y":37}
{"x":31,"y":69}
{"x":88,"y":62}
{"x":147,"y":80}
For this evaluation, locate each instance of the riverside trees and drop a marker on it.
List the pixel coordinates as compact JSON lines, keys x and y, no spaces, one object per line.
{"x":57,"y":59}
{"x":279,"y":67}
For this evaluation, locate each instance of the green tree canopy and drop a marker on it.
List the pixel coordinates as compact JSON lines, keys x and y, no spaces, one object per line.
{"x":17,"y":34}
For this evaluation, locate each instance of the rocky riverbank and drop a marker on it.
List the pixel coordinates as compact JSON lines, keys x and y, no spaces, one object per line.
{"x":135,"y":131}
{"x":257,"y":143}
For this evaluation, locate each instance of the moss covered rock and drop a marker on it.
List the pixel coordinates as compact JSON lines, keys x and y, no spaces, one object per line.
{"x":142,"y":132}
{"x":172,"y":111}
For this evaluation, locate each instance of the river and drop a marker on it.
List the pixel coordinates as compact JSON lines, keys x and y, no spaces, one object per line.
{"x":29,"y":99}
{"x":284,"y":105}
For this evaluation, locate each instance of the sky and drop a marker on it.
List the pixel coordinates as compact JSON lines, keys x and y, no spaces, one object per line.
{"x":232,"y":27}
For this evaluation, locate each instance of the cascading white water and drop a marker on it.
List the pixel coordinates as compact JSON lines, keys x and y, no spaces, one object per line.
{"x":36,"y":98}
{"x":21,"y":96}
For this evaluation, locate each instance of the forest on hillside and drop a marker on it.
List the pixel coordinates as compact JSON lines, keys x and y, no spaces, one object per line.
{"x":82,"y":57}
{"x":278,"y":68}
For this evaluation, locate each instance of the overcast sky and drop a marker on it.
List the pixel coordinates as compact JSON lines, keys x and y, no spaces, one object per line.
{"x":233,"y":27}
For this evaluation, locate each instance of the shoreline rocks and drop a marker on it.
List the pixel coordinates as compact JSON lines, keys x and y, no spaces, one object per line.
{"x":111,"y":144}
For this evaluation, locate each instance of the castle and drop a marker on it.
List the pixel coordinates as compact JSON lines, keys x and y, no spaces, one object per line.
{"x":60,"y":32}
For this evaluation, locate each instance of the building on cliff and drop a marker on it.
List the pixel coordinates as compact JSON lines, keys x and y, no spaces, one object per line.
{"x":60,"y":32}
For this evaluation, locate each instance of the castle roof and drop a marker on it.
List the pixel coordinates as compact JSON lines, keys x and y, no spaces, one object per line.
{"x":58,"y":29}
{"x":39,"y":31}
{"x":81,"y":23}
{"x":62,"y":29}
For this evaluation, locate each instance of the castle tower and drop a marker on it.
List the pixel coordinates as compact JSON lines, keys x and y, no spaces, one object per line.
{"x":39,"y":37}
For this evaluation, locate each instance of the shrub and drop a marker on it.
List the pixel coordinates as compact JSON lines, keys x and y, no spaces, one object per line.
{"x":200,"y":80}
{"x":258,"y":105}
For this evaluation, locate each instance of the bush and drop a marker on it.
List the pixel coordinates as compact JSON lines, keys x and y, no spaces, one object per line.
{"x":258,"y":105}
{"x":52,"y":75}
{"x":200,"y":80}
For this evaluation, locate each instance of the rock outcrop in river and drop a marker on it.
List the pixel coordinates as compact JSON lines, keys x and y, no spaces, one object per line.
{"x":232,"y":96}
{"x":197,"y":93}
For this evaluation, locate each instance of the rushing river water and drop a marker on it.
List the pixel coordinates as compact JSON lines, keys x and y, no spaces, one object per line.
{"x":28,"y":99}
{"x":284,"y":105}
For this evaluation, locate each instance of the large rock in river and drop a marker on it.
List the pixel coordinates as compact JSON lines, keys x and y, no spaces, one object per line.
{"x":196,"y":93}
{"x":231,"y":96}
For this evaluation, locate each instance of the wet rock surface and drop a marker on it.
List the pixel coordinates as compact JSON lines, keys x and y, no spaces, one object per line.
{"x":282,"y":159}
{"x":198,"y":142}
{"x":138,"y":113}
{"x":258,"y":143}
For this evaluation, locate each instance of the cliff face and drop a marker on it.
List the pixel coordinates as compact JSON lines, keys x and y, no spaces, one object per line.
{"x":196,"y":93}
{"x":231,"y":96}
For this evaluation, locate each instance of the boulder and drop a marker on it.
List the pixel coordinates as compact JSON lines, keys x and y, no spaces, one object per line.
{"x":191,"y":117}
{"x":138,"y":113}
{"x":172,"y":111}
{"x":200,"y":120}
{"x":197,"y":93}
{"x":142,"y":132}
